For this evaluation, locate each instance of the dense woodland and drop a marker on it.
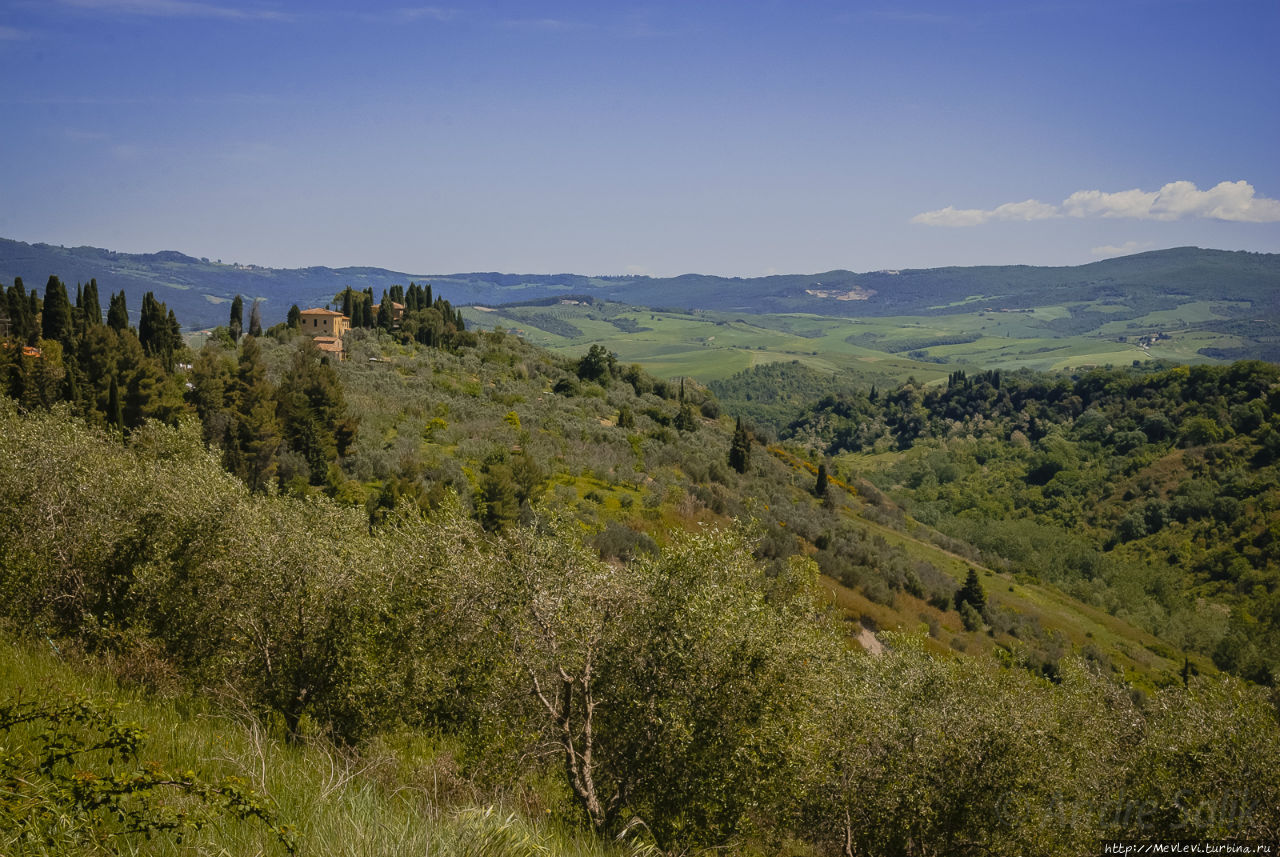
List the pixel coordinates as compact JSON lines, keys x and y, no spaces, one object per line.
{"x":532,"y":560}
{"x":1149,"y":491}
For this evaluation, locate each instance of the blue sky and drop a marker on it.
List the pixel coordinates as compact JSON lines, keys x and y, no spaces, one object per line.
{"x":605,"y":138}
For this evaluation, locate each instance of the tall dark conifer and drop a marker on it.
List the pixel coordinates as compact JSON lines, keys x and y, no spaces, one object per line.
{"x":21,"y":321}
{"x":115,"y":408}
{"x":740,"y":448}
{"x":118,"y":313}
{"x":384,"y":313}
{"x":55,"y":317}
{"x":971,"y":593}
{"x":236,"y":324}
{"x":91,"y":306}
{"x":255,"y":319}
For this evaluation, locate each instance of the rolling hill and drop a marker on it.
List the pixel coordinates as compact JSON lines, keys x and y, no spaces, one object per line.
{"x":1242,"y":289}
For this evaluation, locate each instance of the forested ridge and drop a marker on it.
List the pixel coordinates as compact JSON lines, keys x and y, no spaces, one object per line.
{"x":528,"y":563}
{"x":1150,"y":491}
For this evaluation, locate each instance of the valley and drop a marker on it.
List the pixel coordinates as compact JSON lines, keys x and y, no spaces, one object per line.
{"x":556,"y":575}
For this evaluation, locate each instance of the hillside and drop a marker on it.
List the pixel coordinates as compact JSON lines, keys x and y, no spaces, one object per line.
{"x":533,"y":561}
{"x":1149,"y":492}
{"x":1232,"y":294}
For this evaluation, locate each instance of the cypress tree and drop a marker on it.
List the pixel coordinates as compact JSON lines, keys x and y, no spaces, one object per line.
{"x":346,"y":302}
{"x":384,"y":313}
{"x":820,"y":487}
{"x":19,"y":311}
{"x":55,"y":318}
{"x":174,"y":339}
{"x":295,"y":317}
{"x":118,"y":313}
{"x":236,"y":324}
{"x":71,"y":386}
{"x":153,"y":329}
{"x":740,"y":448}
{"x":685,"y":420}
{"x":92,"y":308}
{"x":33,"y":313}
{"x":115,"y":411}
{"x":255,"y":319}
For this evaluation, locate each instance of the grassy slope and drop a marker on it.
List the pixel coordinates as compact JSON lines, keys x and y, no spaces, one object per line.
{"x":1141,"y":658}
{"x":649,"y":485}
{"x":710,"y":345}
{"x":410,"y":801}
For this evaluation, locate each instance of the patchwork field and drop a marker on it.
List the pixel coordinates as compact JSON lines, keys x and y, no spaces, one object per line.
{"x":710,"y":345}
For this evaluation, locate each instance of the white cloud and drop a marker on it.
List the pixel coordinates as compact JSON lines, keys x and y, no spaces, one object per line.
{"x":429,"y":13}
{"x":1095,"y":203}
{"x":1226,"y":201}
{"x":550,"y":25}
{"x":1233,"y":201}
{"x":951,"y":216}
{"x":1030,"y":209}
{"x":176,"y":9}
{"x":1124,"y":249}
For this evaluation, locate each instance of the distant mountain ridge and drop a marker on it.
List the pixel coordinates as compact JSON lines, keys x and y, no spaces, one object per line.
{"x":198,"y":290}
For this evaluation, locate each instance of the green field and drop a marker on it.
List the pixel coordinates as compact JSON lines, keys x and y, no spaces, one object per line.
{"x":711,"y":345}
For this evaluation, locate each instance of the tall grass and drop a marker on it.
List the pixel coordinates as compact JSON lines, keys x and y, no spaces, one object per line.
{"x":355,"y":803}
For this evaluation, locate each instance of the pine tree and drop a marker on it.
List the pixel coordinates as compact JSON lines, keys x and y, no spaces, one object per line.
{"x":740,"y":448}
{"x":236,"y":324}
{"x":253,"y":437}
{"x":971,"y":593}
{"x":313,"y":411}
{"x":498,"y":507}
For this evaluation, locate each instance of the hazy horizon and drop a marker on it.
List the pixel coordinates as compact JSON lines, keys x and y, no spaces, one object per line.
{"x":734,"y":140}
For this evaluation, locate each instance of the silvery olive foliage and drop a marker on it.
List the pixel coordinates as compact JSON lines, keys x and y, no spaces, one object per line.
{"x":693,"y":697}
